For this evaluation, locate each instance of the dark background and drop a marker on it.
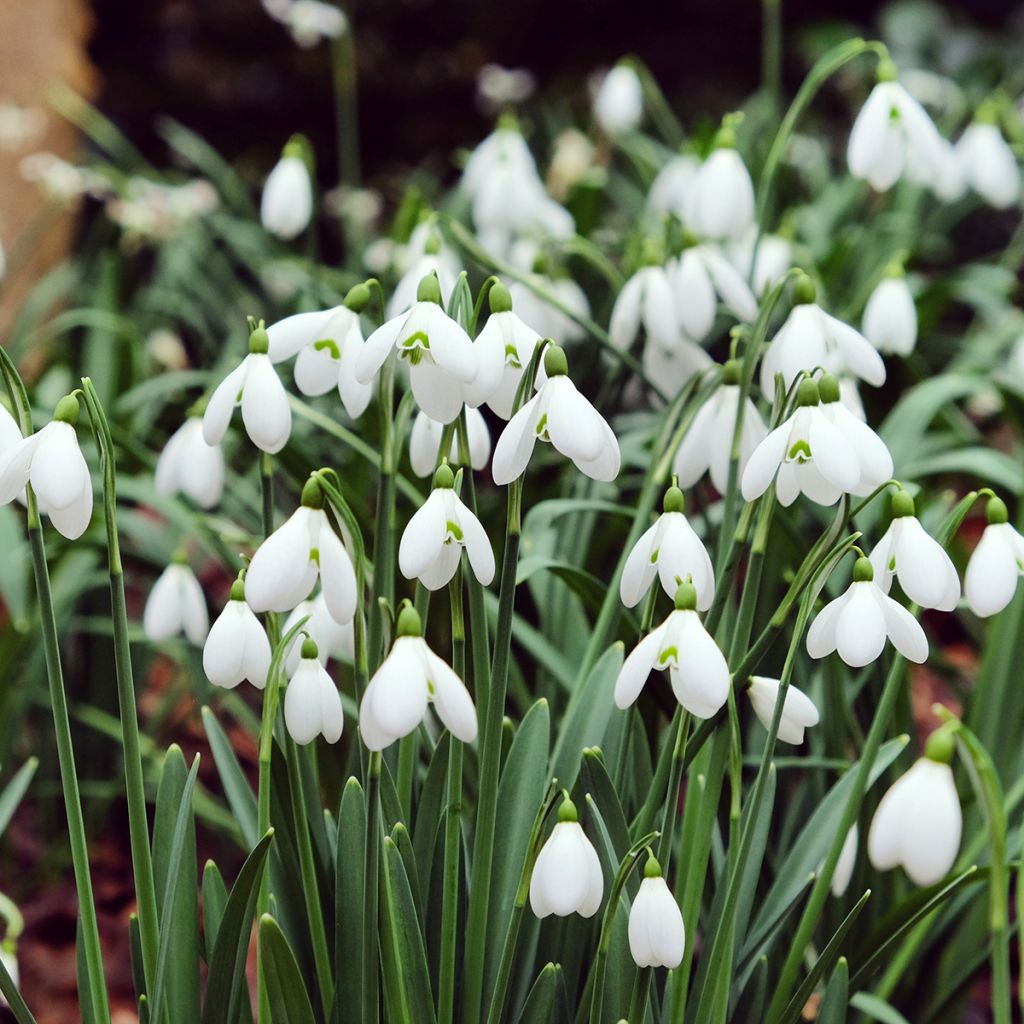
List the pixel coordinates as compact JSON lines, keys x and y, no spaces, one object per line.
{"x":227,"y":70}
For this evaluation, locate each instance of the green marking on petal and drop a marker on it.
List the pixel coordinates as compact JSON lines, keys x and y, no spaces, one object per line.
{"x":418,"y":339}
{"x":455,"y":530}
{"x":654,"y":555}
{"x":328,"y":345}
{"x":800,"y":452}
{"x":669,"y":654}
{"x":512,"y":357}
{"x":314,"y":556}
{"x":892,"y":564}
{"x":542,"y":427}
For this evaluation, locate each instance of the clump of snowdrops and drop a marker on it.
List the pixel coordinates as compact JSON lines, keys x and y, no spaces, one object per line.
{"x":646,"y":752}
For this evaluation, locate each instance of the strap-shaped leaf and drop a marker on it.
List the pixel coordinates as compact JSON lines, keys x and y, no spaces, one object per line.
{"x":240,"y":796}
{"x":286,"y":990}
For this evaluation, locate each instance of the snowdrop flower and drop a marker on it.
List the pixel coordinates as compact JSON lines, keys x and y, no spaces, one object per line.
{"x":656,"y":934}
{"x":558,"y":413}
{"x":333,"y":639}
{"x":396,"y":698}
{"x":327,"y":344}
{"x":440,"y":354}
{"x":567,"y":875}
{"x":809,"y":338}
{"x":918,"y":823}
{"x":312,"y":704}
{"x":857,"y":624}
{"x":433,"y":258}
{"x":846,"y":863}
{"x":890,"y":316}
{"x":798,"y":710}
{"x":572,"y":158}
{"x":52,"y":462}
{"x":549,"y":321}
{"x":191,"y":466}
{"x":237,"y":647}
{"x":950,"y":182}
{"x":425,"y":443}
{"x":176,"y":604}
{"x":505,"y":347}
{"x":619,"y":101}
{"x":774,"y":257}
{"x":671,"y":551}
{"x":926,"y":573}
{"x":721,"y":198}
{"x":255,"y":386}
{"x":432,"y":543}
{"x":670,"y":190}
{"x":287,"y":204}
{"x":995,"y":564}
{"x":807,"y":454}
{"x":287,"y":564}
{"x":893,"y":136}
{"x":707,"y":445}
{"x":701,"y":275}
{"x":989,"y":165}
{"x":874,"y":460}
{"x":309,"y":21}
{"x":646,"y":300}
{"x":673,"y":367}
{"x":498,"y":86}
{"x":697,"y":668}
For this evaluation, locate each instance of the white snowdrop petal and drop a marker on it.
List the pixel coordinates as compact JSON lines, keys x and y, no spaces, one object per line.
{"x":992,"y":573}
{"x":659,"y":309}
{"x":933,"y":826}
{"x":694,"y":295}
{"x":71,"y":522}
{"x":904,"y":630}
{"x":701,"y":679}
{"x":423,"y":537}
{"x":764,"y":462}
{"x":605,"y":467}
{"x":257,"y":653}
{"x":515,"y":445}
{"x":400,"y":689}
{"x":640,"y":568}
{"x":162,"y":618}
{"x":316,"y":371}
{"x":821,"y":637}
{"x":573,"y":424}
{"x":59,"y":473}
{"x":846,"y":863}
{"x":287,"y":202}
{"x":441,"y":571}
{"x":337,"y":575}
{"x":636,"y":668}
{"x":282,"y":573}
{"x":332,"y":715}
{"x":477,"y":543}
{"x":195,"y":618}
{"x":374,"y":736}
{"x":730,"y":285}
{"x":437,"y":392}
{"x":224,"y":650}
{"x":265,"y":410}
{"x":222,"y":403}
{"x":861,"y":626}
{"x":302,"y":703}
{"x":288,"y":337}
{"x":923,"y":566}
{"x":625,"y":319}
{"x":833,"y":456}
{"x":692,"y":457}
{"x":452,"y":701}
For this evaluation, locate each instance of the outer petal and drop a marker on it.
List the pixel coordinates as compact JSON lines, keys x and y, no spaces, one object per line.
{"x":332,"y":715}
{"x":71,"y":522}
{"x":605,"y":467}
{"x":222,"y":403}
{"x":288,"y":337}
{"x":423,"y":538}
{"x":992,"y":572}
{"x":934,"y":823}
{"x":337,"y":576}
{"x":437,"y":392}
{"x":377,"y":348}
{"x":833,"y":455}
{"x":316,"y":371}
{"x":452,"y":701}
{"x":303,"y":711}
{"x":868,"y":137}
{"x":400,"y":689}
{"x":195,"y":618}
{"x":885,"y":835}
{"x":574,"y":425}
{"x":162,"y":617}
{"x":904,"y":630}
{"x":477,"y":543}
{"x":924,"y":569}
{"x":701,"y":681}
{"x":224,"y":650}
{"x":200,"y":467}
{"x":821,"y":637}
{"x":640,"y":569}
{"x":693,"y":455}
{"x":859,"y":357}
{"x":764,"y":462}
{"x":515,"y":445}
{"x":846,"y":863}
{"x":281,"y":573}
{"x":659,"y":310}
{"x":625,"y":321}
{"x":257,"y":654}
{"x":637,"y":667}
{"x":730,"y":285}
{"x":265,"y":410}
{"x":59,"y":473}
{"x":861,"y":627}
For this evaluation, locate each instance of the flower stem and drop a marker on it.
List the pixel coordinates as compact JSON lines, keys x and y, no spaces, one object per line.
{"x":383,"y":552}
{"x":346,"y":108}
{"x":310,"y":887}
{"x":490,"y":758}
{"x":371,"y":958}
{"x":68,"y":773}
{"x":138,"y":822}
{"x":452,"y":827}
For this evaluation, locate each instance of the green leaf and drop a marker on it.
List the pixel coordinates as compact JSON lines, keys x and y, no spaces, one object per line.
{"x":829,"y":955}
{"x":215,"y":898}
{"x":546,"y":1002}
{"x":403,"y":957}
{"x":10,"y":992}
{"x":429,"y":811}
{"x":14,"y":791}
{"x":520,"y":793}
{"x":175,"y":877}
{"x":226,"y":981}
{"x":351,"y":943}
{"x":286,"y":989}
{"x":585,"y":585}
{"x":812,"y":845}
{"x":586,"y":718}
{"x":239,"y":793}
{"x":877,"y":1009}
{"x":834,"y":1004}
{"x":177,"y":960}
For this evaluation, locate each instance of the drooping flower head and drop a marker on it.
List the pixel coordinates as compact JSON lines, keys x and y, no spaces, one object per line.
{"x":438,"y":352}
{"x":919,"y":822}
{"x":721,"y":199}
{"x":682,"y":646}
{"x":988,"y":163}
{"x":287,"y":204}
{"x":191,"y":466}
{"x":996,"y":564}
{"x":312,"y":704}
{"x":288,"y":563}
{"x":798,"y":710}
{"x":619,"y":101}
{"x":237,"y":647}
{"x":560,"y":415}
{"x":411,"y":677}
{"x":657,"y":937}
{"x":567,"y":875}
{"x":255,"y":386}
{"x":432,"y":543}
{"x":52,"y":462}
{"x":176,"y":604}
{"x":646,"y":300}
{"x":327,"y":344}
{"x":890,"y":316}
